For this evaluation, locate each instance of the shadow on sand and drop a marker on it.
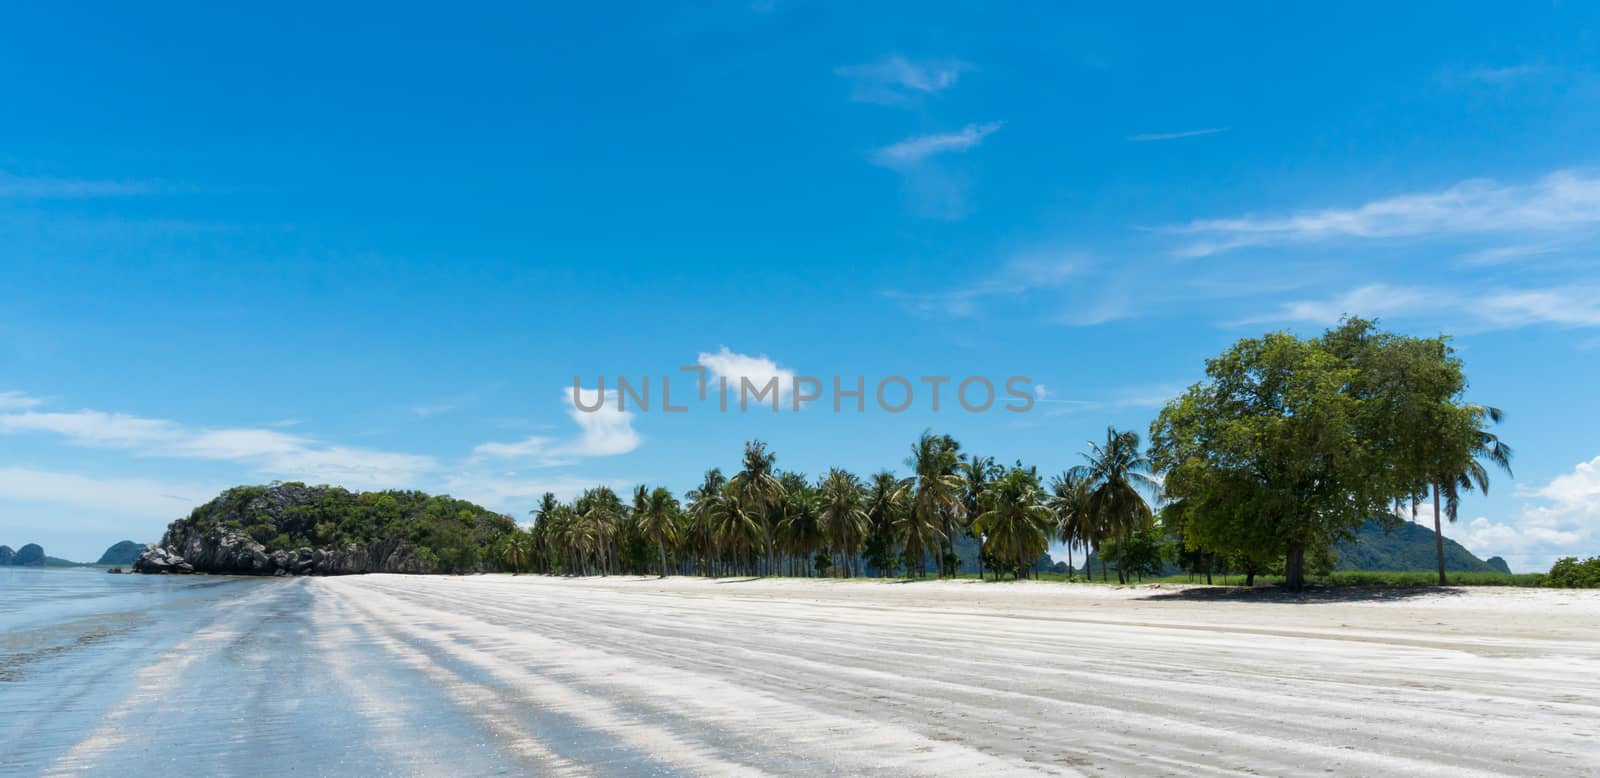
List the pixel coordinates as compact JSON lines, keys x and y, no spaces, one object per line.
{"x":1274,"y":594}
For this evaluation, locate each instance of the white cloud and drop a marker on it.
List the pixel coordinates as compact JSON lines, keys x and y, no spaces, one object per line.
{"x":1562,"y":200}
{"x":606,"y":431}
{"x":1566,"y":306}
{"x":899,"y":81}
{"x":1564,"y":521}
{"x":47,"y":188}
{"x":269,"y":451}
{"x":1145,"y":137}
{"x":1125,"y":398}
{"x":911,"y":151}
{"x":18,"y":401}
{"x":733,"y":366}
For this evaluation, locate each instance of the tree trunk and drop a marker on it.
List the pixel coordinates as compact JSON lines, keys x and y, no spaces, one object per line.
{"x":1294,"y":568}
{"x":1438,"y":534}
{"x":661,"y":551}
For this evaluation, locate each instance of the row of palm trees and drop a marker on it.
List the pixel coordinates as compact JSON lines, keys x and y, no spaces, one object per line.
{"x":764,"y":521}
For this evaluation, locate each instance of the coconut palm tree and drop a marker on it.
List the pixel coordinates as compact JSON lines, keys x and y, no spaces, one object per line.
{"x":703,"y":502}
{"x":516,"y":549}
{"x":1461,"y":474}
{"x":543,"y":517}
{"x":1015,"y":519}
{"x":735,"y":526}
{"x":1117,"y":475}
{"x":843,"y":516}
{"x":655,"y":518}
{"x":799,"y":524}
{"x":759,"y":491}
{"x":935,"y":497}
{"x":885,"y":503}
{"x":1069,"y":501}
{"x":976,"y":475}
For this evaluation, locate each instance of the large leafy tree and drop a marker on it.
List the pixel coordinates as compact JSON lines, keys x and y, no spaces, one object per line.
{"x":1116,"y":476}
{"x":1268,"y":454}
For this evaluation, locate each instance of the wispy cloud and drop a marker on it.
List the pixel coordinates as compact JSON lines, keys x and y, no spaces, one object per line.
{"x":17,"y":401}
{"x":120,"y":496}
{"x":914,"y":150}
{"x":1145,"y":137}
{"x":1126,"y":398}
{"x":49,"y":188}
{"x":1562,"y":200}
{"x":1565,"y":306}
{"x":269,"y":451}
{"x":606,"y":431}
{"x":1495,"y":75}
{"x":896,"y":80}
{"x":1028,"y":272}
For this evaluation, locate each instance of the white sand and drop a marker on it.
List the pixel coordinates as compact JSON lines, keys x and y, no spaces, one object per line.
{"x":741,"y":677}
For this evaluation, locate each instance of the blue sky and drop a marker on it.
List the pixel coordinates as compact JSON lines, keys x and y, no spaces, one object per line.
{"x":315,"y":242}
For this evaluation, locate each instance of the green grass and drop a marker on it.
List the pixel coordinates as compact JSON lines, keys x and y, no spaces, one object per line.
{"x":1367,"y":578}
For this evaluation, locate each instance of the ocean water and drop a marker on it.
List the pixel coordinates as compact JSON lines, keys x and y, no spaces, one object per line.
{"x":135,"y":674}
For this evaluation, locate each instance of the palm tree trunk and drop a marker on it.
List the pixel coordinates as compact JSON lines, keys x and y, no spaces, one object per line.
{"x":661,"y":551}
{"x":1438,"y":534}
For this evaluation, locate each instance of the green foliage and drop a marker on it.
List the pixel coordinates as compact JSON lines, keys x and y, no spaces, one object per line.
{"x":1569,"y":573}
{"x":454,"y":535}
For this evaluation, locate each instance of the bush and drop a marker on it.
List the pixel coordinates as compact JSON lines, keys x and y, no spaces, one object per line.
{"x":1569,"y":573}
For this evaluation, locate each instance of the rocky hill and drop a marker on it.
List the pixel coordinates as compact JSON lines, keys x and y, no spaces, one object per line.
{"x":123,"y":553}
{"x":30,"y":555}
{"x":294,"y":529}
{"x":1409,"y":547}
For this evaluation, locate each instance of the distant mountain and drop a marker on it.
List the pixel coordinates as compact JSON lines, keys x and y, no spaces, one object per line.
{"x":1409,"y":547}
{"x":124,"y":553}
{"x":32,"y":555}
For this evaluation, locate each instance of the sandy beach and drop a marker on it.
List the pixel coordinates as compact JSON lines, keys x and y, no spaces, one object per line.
{"x":435,"y":675}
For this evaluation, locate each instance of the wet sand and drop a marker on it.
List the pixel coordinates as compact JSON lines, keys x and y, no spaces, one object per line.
{"x":512,"y":675}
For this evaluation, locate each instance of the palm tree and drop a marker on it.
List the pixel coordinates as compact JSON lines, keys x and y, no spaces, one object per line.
{"x":516,"y":549}
{"x":976,"y":475}
{"x":843,"y":516}
{"x":543,"y":518}
{"x":1015,"y":518}
{"x":759,"y":490}
{"x":655,"y":518}
{"x":799,"y":526}
{"x":1069,"y":501}
{"x":935,"y":496}
{"x":1115,"y":475}
{"x":703,"y":501}
{"x":1464,"y":473}
{"x":735,"y":526}
{"x":885,"y":503}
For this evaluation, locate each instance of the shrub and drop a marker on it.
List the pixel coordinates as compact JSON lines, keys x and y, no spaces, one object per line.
{"x":1569,"y":573}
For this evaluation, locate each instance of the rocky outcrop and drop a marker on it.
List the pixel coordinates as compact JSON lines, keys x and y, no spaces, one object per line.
{"x":220,"y":537}
{"x":8,"y":556}
{"x":230,"y":552}
{"x":124,"y":553}
{"x":31,"y":555}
